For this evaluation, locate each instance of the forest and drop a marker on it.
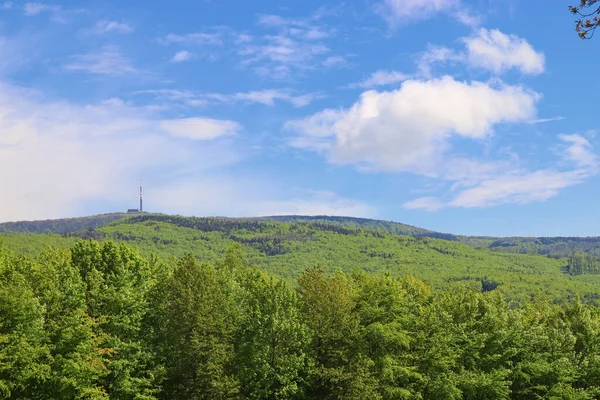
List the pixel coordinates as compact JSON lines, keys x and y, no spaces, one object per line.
{"x":98,"y":320}
{"x":286,"y":248}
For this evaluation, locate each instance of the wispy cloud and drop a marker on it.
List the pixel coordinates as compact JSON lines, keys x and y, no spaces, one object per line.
{"x":381,"y":78}
{"x":266,"y":97}
{"x":58,"y":13}
{"x":298,"y":45}
{"x":31,"y":9}
{"x":107,"y":61}
{"x":200,"y":128}
{"x":401,"y":12}
{"x":181,"y":56}
{"x":543,"y":120}
{"x":106,"y":26}
{"x":95,"y":149}
{"x":485,"y":49}
{"x":198,"y":38}
{"x":518,"y":185}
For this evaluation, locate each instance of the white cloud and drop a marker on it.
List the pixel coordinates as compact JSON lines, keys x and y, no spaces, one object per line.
{"x":520,"y":189}
{"x":334,"y":61}
{"x":486,"y":49}
{"x":409,"y":129}
{"x":242,"y":197}
{"x":106,"y":26}
{"x":56,"y":156}
{"x":496,"y":51}
{"x":437,"y":55}
{"x":411,"y":10}
{"x":107,"y":61}
{"x":295,"y":27}
{"x":267,"y":97}
{"x":519,"y":186}
{"x":382,"y":78}
{"x":181,"y":56}
{"x":57,"y":12}
{"x":200,"y":128}
{"x":298,"y":45}
{"x":542,"y":120}
{"x":7,"y":5}
{"x":578,"y":151}
{"x":199,"y":38}
{"x":424,"y":203}
{"x":278,"y":55}
{"x":31,"y":9}
{"x":321,"y":203}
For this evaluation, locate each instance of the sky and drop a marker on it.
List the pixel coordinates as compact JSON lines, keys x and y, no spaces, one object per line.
{"x":474,"y":118}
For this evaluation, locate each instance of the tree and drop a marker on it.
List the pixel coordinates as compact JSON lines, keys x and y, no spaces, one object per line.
{"x":116,"y":282}
{"x":588,"y":12}
{"x":271,"y":339}
{"x":329,"y":308}
{"x":193,"y":334}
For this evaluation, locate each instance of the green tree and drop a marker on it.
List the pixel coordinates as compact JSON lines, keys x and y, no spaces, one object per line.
{"x":116,"y":281}
{"x":194,"y":336}
{"x":271,"y":340}
{"x":24,"y":358}
{"x":329,"y":309}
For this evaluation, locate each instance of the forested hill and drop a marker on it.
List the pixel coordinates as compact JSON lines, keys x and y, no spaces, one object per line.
{"x":288,"y":248}
{"x":62,"y":225}
{"x":548,"y":246}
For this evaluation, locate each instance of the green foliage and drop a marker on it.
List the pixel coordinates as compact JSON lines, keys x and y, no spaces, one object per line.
{"x":102,"y":322}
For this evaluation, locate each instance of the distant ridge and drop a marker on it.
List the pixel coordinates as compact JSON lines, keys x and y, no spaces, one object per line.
{"x":548,"y":246}
{"x":61,"y":225}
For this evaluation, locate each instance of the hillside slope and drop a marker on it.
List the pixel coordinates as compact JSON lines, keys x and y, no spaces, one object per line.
{"x":287,"y":248}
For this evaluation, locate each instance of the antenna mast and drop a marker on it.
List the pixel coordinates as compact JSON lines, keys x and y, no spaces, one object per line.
{"x":141,"y":195}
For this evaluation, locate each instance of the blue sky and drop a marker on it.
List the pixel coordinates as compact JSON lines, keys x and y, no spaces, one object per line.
{"x":466,"y":117}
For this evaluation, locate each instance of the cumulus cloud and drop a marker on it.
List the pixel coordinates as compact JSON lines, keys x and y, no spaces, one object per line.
{"x":409,"y":129}
{"x":200,"y":128}
{"x":107,"y":61}
{"x":497,"y":51}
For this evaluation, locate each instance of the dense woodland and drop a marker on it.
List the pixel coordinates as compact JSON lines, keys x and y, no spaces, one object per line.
{"x":100,"y":321}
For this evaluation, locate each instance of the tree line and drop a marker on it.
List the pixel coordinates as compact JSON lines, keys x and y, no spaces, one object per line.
{"x":98,"y":321}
